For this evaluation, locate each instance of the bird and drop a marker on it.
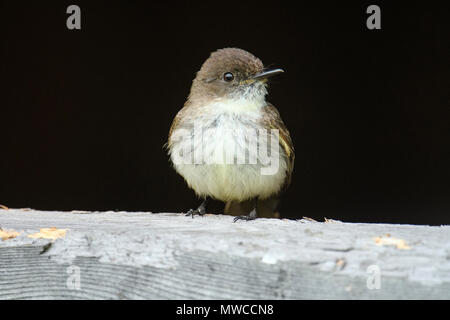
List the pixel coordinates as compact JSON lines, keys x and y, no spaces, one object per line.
{"x":219,"y":140}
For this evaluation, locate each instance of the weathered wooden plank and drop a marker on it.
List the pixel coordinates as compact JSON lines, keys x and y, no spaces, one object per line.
{"x":138,"y":255}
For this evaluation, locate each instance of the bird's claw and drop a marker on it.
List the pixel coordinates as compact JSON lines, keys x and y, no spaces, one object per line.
{"x":193,"y":212}
{"x":251,"y":216}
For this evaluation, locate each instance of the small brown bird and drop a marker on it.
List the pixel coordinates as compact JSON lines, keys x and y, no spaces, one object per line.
{"x":228,"y":142}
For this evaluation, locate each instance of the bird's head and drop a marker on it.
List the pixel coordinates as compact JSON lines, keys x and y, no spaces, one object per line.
{"x":232,"y":74}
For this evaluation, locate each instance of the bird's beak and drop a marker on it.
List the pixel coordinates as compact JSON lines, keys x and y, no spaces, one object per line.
{"x":266,"y":74}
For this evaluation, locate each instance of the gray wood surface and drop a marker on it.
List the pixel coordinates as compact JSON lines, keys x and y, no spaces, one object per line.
{"x":139,"y":255}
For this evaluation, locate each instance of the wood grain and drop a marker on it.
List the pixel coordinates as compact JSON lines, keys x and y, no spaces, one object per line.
{"x":138,"y":255}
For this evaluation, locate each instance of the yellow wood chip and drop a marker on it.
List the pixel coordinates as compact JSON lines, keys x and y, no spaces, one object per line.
{"x":340,"y":263}
{"x":49,"y":233}
{"x":326,"y":220}
{"x":388,"y":241}
{"x":5,"y":234}
{"x":3,"y":207}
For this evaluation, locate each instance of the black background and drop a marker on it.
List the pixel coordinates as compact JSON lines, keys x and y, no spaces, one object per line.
{"x":84,"y":114}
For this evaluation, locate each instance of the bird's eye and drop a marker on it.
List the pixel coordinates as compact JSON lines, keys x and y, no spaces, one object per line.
{"x":228,"y":76}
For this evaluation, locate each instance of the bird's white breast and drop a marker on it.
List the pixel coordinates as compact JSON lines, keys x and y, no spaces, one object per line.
{"x":223,"y":133}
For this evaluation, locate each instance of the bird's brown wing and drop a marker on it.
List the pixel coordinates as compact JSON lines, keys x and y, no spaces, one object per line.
{"x":174,"y":125}
{"x":172,"y":128}
{"x":272,"y":120}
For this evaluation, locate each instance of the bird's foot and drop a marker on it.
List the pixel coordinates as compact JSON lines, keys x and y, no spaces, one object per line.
{"x":193,"y":212}
{"x":251,"y":216}
{"x":201,"y":210}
